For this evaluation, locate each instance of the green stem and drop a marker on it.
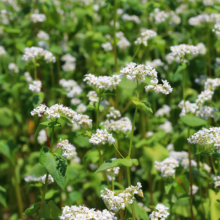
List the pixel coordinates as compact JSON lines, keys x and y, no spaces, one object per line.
{"x":129,"y":184}
{"x":184,"y":92}
{"x":52,"y":74}
{"x":97,"y":114}
{"x":43,"y":196}
{"x":113,"y":187}
{"x":117,"y":150}
{"x":51,"y":142}
{"x":35,"y":71}
{"x":114,"y":33}
{"x":135,"y":53}
{"x":191,"y":179}
{"x":18,"y":195}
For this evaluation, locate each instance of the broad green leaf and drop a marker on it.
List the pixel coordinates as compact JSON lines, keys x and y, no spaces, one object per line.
{"x":192,"y":121}
{"x":66,"y":118}
{"x":117,"y":163}
{"x":127,"y":84}
{"x":180,"y":67}
{"x":37,"y":99}
{"x":208,"y":154}
{"x":33,"y":209}
{"x":6,"y":116}
{"x":168,"y":187}
{"x":55,"y":164}
{"x":6,"y":151}
{"x":140,"y":212}
{"x":3,"y":200}
{"x":2,"y":189}
{"x":144,"y":104}
{"x":214,"y":204}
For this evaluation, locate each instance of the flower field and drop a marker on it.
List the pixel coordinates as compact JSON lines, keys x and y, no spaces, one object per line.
{"x":109,"y":109}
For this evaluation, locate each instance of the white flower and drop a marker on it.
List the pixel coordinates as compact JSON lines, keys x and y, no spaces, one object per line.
{"x":69,"y":67}
{"x":71,"y":87}
{"x":13,"y":68}
{"x":69,"y":151}
{"x":42,"y":136}
{"x":161,"y":214}
{"x":133,"y":18}
{"x":33,"y":178}
{"x":101,"y":136}
{"x":107,"y":46}
{"x":123,"y":43}
{"x":28,"y":77}
{"x":68,"y":58}
{"x":2,"y":51}
{"x":167,"y":127}
{"x":216,"y":181}
{"x":145,"y":36}
{"x":38,"y":17}
{"x":202,"y":48}
{"x":92,"y":95}
{"x":35,"y":86}
{"x":155,"y":63}
{"x":113,"y":113}
{"x":43,"y":35}
{"x":194,"y":189}
{"x":164,"y":111}
{"x":81,"y":108}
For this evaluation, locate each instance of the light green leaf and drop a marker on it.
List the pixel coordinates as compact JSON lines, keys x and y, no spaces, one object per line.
{"x":214,"y":204}
{"x":144,"y":104}
{"x":50,"y":211}
{"x":192,"y":121}
{"x":6,"y":116}
{"x":180,"y":67}
{"x":55,"y":164}
{"x":3,"y":200}
{"x":117,"y":163}
{"x":37,"y":99}
{"x":33,"y":209}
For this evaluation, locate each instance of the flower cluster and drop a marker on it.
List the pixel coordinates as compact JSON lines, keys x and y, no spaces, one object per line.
{"x":194,"y":189}
{"x":122,"y":125}
{"x":217,"y":29}
{"x":33,"y":178}
{"x":113,"y":113}
{"x":206,"y":137}
{"x":160,"y":214}
{"x":155,"y":63}
{"x":43,"y":35}
{"x":28,"y":77}
{"x":71,"y":87}
{"x":180,"y":51}
{"x":31,"y":54}
{"x":121,"y":200}
{"x":101,"y":136}
{"x":167,"y":166}
{"x":164,"y":111}
{"x":2,"y":51}
{"x":135,"y":72}
{"x":92,"y":95}
{"x":69,"y":151}
{"x":13,"y":68}
{"x":102,"y":82}
{"x":35,"y":86}
{"x":82,"y":212}
{"x":123,"y":42}
{"x":145,"y":36}
{"x":42,"y":137}
{"x":133,"y":18}
{"x":107,"y":46}
{"x":166,"y":126}
{"x":112,"y":172}
{"x":70,"y":62}
{"x":36,"y":17}
{"x":204,"y":18}
{"x":217,"y":181}
{"x":57,"y":110}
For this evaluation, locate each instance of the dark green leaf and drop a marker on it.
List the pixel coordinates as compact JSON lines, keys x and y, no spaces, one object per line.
{"x":117,"y":163}
{"x":6,"y":116}
{"x":37,"y":99}
{"x":210,"y":154}
{"x":3,"y":200}
{"x":144,"y":104}
{"x":192,"y":121}
{"x":33,"y":209}
{"x":50,"y":211}
{"x":55,"y":164}
{"x":180,"y":67}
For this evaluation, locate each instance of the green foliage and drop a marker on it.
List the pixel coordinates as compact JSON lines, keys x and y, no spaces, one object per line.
{"x":193,"y":121}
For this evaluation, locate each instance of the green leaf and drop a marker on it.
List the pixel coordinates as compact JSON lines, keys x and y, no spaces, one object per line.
{"x":66,"y":118}
{"x":6,"y":116}
{"x":2,"y":189}
{"x":50,"y":210}
{"x":6,"y":151}
{"x":37,"y":99}
{"x":144,"y":104}
{"x":55,"y":164}
{"x":117,"y":163}
{"x":214,"y":204}
{"x":3,"y":200}
{"x":33,"y":209}
{"x":192,"y":121}
{"x":180,"y":67}
{"x":212,"y":154}
{"x":168,"y":187}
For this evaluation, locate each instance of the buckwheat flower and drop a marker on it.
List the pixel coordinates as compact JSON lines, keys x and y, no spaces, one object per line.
{"x":71,"y":87}
{"x":216,"y":181}
{"x":202,"y":48}
{"x":179,"y":155}
{"x":2,"y":51}
{"x":194,"y":189}
{"x":101,"y":136}
{"x":68,"y":58}
{"x":145,"y":208}
{"x":42,"y":136}
{"x":107,"y":46}
{"x":28,"y":77}
{"x":204,"y":18}
{"x":166,"y":126}
{"x":164,"y":111}
{"x":181,"y":8}
{"x":49,"y":180}
{"x":201,"y":80}
{"x":160,"y":214}
{"x":81,"y":108}
{"x":180,"y":51}
{"x":207,"y":112}
{"x":149,"y":133}
{"x":155,"y":63}
{"x":211,"y":84}
{"x":204,"y":96}
{"x":122,"y":125}
{"x":112,"y":172}
{"x":145,"y":36}
{"x":82,"y":212}
{"x":113,"y":113}
{"x":69,"y":151}
{"x":134,"y":18}
{"x":185,"y":163}
{"x":159,"y":16}
{"x":75,"y":101}
{"x":216,"y":29}
{"x":174,"y":19}
{"x":48,"y":57}
{"x":170,"y":147}
{"x":102,"y":82}
{"x":13,"y":68}
{"x":206,"y":167}
{"x":69,"y":67}
{"x":164,"y":88}
{"x":35,"y":86}
{"x":170,"y":58}
{"x":123,"y":43}
{"x":38,"y":18}
{"x":167,"y":166}
{"x":92,"y":95}
{"x":187,"y":108}
{"x":43,"y":35}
